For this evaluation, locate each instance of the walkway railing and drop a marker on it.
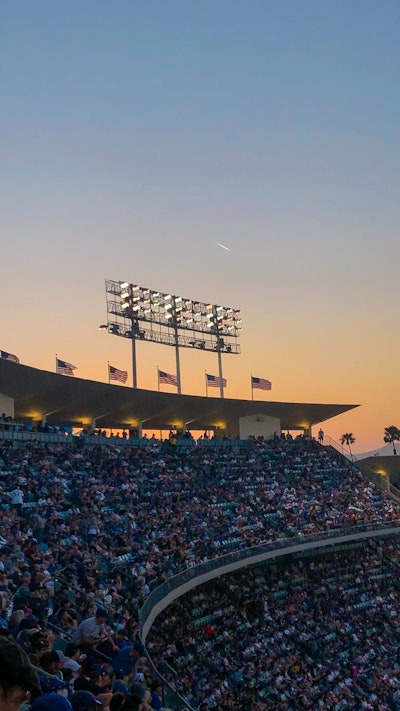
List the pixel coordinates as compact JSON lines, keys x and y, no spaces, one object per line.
{"x":17,"y":434}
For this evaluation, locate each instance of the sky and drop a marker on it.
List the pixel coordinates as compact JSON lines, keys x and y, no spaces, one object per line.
{"x":136,"y":135}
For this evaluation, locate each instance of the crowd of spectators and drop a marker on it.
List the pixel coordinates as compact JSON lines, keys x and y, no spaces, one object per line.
{"x":90,"y":529}
{"x":315,"y":633}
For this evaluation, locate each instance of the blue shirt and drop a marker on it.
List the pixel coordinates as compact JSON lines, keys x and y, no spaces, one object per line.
{"x":123,"y":663}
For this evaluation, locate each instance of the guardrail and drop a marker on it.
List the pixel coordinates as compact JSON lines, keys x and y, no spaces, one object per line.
{"x":20,"y":435}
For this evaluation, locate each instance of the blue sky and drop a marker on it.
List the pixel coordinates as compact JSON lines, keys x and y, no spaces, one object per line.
{"x":136,"y":135}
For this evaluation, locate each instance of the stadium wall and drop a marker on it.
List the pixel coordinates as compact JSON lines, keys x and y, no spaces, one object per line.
{"x":259,"y":426}
{"x":6,"y":405}
{"x":182,"y":583}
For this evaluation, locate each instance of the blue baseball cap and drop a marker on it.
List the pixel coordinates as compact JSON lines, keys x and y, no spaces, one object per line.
{"x":82,"y":700}
{"x":51,"y":683}
{"x":120,"y":686}
{"x":51,"y":702}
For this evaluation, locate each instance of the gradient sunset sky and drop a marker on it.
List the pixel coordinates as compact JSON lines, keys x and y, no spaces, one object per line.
{"x":137,"y":134}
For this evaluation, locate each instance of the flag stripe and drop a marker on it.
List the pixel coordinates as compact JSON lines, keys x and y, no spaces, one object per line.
{"x":167,"y":378}
{"x":213,"y":381}
{"x":117,"y":374}
{"x":9,"y":356}
{"x":64,"y":368}
{"x":261,"y":383}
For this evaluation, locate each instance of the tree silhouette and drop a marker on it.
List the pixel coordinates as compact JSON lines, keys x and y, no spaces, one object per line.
{"x":348,"y":439}
{"x":391,"y":435}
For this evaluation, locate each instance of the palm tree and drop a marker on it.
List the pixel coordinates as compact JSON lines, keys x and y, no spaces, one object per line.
{"x":391,"y":435}
{"x":348,"y":438}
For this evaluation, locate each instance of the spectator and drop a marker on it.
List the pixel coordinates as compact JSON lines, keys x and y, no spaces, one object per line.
{"x":85,"y":701}
{"x":93,"y":630}
{"x":18,"y":681}
{"x":156,"y":696}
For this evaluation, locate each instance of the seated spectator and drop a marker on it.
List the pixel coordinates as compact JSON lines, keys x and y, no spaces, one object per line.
{"x":18,"y":681}
{"x":93,"y":630}
{"x":51,"y":663}
{"x":72,"y":658}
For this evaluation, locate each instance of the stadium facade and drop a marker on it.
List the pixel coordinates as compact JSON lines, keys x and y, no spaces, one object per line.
{"x":30,"y":395}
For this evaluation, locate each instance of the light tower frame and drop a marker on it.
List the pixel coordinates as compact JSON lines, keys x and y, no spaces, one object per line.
{"x":139,"y":313}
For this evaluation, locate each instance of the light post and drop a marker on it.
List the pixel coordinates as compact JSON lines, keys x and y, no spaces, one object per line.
{"x":136,"y":312}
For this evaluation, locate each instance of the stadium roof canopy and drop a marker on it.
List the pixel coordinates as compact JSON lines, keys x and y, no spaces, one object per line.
{"x":70,"y":401}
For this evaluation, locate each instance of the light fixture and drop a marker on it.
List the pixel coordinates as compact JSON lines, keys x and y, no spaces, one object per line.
{"x":166,"y":312}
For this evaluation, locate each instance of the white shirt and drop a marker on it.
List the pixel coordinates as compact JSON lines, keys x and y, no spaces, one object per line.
{"x":89,"y":629}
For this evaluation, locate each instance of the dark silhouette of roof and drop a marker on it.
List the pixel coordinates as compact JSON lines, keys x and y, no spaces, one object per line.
{"x":71,"y":401}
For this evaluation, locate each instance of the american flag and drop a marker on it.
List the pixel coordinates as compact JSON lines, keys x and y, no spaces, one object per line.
{"x":261,"y":383}
{"x":167,"y":378}
{"x":63,"y":368}
{"x":213,"y":381}
{"x":116,"y":374}
{"x":9,"y":356}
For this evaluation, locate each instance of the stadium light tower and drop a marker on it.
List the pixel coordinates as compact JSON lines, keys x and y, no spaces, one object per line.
{"x":130,"y":305}
{"x":139,"y":313}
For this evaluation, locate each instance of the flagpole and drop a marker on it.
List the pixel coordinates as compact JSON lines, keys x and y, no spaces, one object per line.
{"x":205,"y":373}
{"x":108,"y":369}
{"x":158,"y":378}
{"x":56,"y":362}
{"x":251,"y":385}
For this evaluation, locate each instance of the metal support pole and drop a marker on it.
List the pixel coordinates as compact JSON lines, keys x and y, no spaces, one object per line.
{"x":134,"y":371}
{"x":218,"y":347}
{"x":178,"y":366}
{"x":221,"y":383}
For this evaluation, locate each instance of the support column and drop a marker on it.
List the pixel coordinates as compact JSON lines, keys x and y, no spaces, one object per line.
{"x":221,"y":385}
{"x":178,"y":366}
{"x":134,"y":367}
